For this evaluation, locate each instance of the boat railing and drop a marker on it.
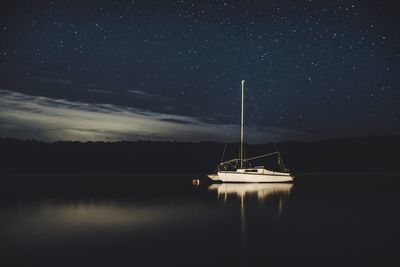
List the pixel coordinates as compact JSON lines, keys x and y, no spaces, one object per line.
{"x":249,"y":159}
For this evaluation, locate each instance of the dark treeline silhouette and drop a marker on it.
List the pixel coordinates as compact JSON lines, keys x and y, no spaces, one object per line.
{"x":361,"y":154}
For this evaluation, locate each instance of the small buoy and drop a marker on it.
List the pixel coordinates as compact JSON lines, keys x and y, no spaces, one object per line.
{"x":196,"y":181}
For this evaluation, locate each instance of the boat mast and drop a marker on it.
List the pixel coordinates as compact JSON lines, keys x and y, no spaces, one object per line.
{"x":241,"y":128}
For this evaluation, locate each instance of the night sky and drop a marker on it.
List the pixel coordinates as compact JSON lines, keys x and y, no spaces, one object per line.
{"x":171,"y":70}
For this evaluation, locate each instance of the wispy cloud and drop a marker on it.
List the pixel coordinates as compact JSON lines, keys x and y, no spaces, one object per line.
{"x":145,"y":95}
{"x":95,"y":89}
{"x":66,"y":82}
{"x":27,"y":116}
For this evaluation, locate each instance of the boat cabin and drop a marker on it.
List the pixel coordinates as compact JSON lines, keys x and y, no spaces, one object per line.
{"x":257,"y":169}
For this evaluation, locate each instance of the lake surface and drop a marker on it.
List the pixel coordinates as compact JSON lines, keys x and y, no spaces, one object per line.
{"x":165,"y":220}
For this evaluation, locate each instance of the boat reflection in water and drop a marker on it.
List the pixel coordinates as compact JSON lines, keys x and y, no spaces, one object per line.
{"x":273,"y":195}
{"x":263,"y":191}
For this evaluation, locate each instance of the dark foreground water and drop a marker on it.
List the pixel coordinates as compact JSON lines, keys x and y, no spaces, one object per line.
{"x":164,"y":220}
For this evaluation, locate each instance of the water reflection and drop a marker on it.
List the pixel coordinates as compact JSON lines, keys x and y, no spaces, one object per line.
{"x":274,"y":193}
{"x":263,"y":191}
{"x":112,"y":221}
{"x":62,"y":221}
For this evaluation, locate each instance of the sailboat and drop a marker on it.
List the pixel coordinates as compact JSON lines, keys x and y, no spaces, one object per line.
{"x":238,"y":170}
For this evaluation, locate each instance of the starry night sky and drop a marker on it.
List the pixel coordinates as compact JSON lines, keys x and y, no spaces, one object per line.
{"x":171,"y":70}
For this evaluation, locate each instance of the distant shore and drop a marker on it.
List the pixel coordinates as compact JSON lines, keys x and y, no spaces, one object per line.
{"x":360,"y":154}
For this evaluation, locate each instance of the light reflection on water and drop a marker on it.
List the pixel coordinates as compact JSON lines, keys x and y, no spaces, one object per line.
{"x":73,"y":224}
{"x":262,"y":190}
{"x":112,"y":221}
{"x":264,"y":193}
{"x":49,"y":221}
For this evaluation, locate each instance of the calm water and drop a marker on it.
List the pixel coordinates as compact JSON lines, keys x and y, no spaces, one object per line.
{"x":164,"y":220}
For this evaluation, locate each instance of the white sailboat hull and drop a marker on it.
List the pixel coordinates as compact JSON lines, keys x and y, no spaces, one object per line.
{"x":238,"y":177}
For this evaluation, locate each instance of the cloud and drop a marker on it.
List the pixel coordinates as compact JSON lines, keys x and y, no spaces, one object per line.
{"x":100,"y":91}
{"x":139,"y":94}
{"x":26,"y":116}
{"x":65,"y":82}
{"x":144,"y":95}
